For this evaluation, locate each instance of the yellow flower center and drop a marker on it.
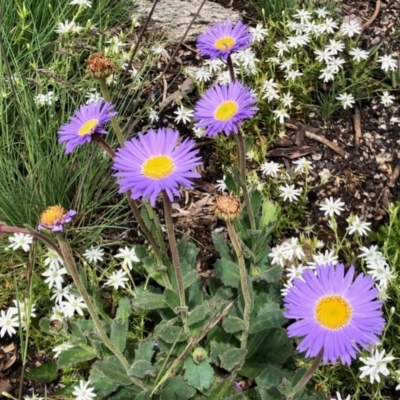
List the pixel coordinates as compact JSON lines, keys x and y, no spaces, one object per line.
{"x":158,"y":167}
{"x":226,"y":110}
{"x":333,"y":312}
{"x":87,"y":127}
{"x":225,"y":43}
{"x":51,"y":215}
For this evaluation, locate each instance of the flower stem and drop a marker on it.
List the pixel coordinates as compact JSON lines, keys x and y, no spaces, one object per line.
{"x":70,"y":262}
{"x":243,"y":283}
{"x":174,"y":251}
{"x":114,"y":122}
{"x":243,"y":185}
{"x":307,"y":376}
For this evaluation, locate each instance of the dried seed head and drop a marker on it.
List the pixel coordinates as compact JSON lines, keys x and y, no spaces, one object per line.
{"x":99,"y":66}
{"x":227,"y":207}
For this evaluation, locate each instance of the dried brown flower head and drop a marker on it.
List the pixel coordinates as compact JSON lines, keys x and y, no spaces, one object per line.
{"x":227,"y":207}
{"x":99,"y":66}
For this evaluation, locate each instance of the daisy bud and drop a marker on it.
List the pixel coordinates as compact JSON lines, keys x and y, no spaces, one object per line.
{"x":199,"y":354}
{"x":227,"y":208}
{"x":99,"y":66}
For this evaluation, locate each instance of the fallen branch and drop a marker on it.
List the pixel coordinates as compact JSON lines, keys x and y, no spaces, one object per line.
{"x":374,"y":15}
{"x":357,"y":127}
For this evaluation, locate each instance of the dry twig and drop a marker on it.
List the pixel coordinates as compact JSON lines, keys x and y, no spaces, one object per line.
{"x":374,"y":15}
{"x":357,"y":127}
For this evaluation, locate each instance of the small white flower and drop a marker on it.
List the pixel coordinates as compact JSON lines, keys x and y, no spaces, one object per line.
{"x":332,"y":207}
{"x":221,"y":185}
{"x":328,"y":26}
{"x":23,"y":308}
{"x":303,"y":15}
{"x":93,"y":96}
{"x":183,"y":115}
{"x":292,"y":75}
{"x":153,"y":116}
{"x":288,"y":192}
{"x":324,"y":55}
{"x":61,"y":347}
{"x":388,"y":63}
{"x":53,"y":260}
{"x":274,"y":60}
{"x":287,"y":100}
{"x":215,"y":65}
{"x":117,"y":279}
{"x":73,"y":305}
{"x":250,"y":155}
{"x":286,"y":287}
{"x":339,"y":397}
{"x":277,"y":255}
{"x":160,"y":50}
{"x":335,"y":46}
{"x":382,"y":273}
{"x":82,"y":3}
{"x":368,"y":252}
{"x":303,"y":166}
{"x":297,"y":41}
{"x":258,"y":33}
{"x":270,"y":94}
{"x":347,"y":100}
{"x":281,"y":47}
{"x":8,"y":322}
{"x":59,"y":294}
{"x":83,"y":391}
{"x":116,"y":44}
{"x":327,"y":74}
{"x":54,"y":276}
{"x":224,"y":78}
{"x":281,"y":115}
{"x":57,"y":313}
{"x":20,"y":240}
{"x":321,"y":12}
{"x":202,"y":75}
{"x":286,"y":64}
{"x":198,"y":132}
{"x":375,"y":364}
{"x":356,"y":225}
{"x":292,"y":248}
{"x":67,"y":27}
{"x":359,"y":54}
{"x":387,"y":99}
{"x":351,"y":27}
{"x":270,"y":168}
{"x":335,"y":64}
{"x":45,"y":99}
{"x":94,"y":254}
{"x":128,"y":256}
{"x":328,"y":257}
{"x":295,"y":272}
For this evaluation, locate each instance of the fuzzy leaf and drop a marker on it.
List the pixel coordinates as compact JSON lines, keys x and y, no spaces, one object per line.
{"x":197,"y":315}
{"x":228,"y":272}
{"x":233,"y":324}
{"x":270,"y":275}
{"x":102,"y":386}
{"x":171,"y":298}
{"x":112,"y":369}
{"x":149,"y":301}
{"x":190,"y":278}
{"x":223,"y":389}
{"x":44,"y":373}
{"x":119,"y":330}
{"x":269,"y":319}
{"x":221,"y":246}
{"x":145,"y":350}
{"x":71,"y":357}
{"x":232,"y":358}
{"x":269,"y":213}
{"x":177,"y":389}
{"x":201,"y":375}
{"x":142,"y":368}
{"x":170,"y":334}
{"x":124,"y":309}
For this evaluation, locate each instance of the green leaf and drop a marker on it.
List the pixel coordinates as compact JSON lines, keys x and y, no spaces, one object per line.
{"x":272,"y":376}
{"x":125,"y":393}
{"x":112,"y":369}
{"x":171,"y":298}
{"x":228,"y":272}
{"x":221,"y":246}
{"x":76,"y":355}
{"x":44,"y":373}
{"x":216,"y":350}
{"x":270,"y":275}
{"x":177,"y":389}
{"x":271,"y":393}
{"x":233,"y":324}
{"x":232,"y":358}
{"x":119,"y":330}
{"x":145,"y":350}
{"x":197,"y":315}
{"x":142,"y":368}
{"x":269,"y":213}
{"x":101,"y":385}
{"x":76,"y":331}
{"x":201,"y":375}
{"x":269,"y":319}
{"x":149,"y":301}
{"x":124,"y":309}
{"x":190,"y":278}
{"x":143,"y":395}
{"x":255,"y":201}
{"x":169,"y":333}
{"x":223,"y":389}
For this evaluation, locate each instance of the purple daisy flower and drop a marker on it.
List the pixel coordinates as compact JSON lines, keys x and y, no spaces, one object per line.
{"x":87,"y":120}
{"x":54,"y":217}
{"x":154,"y":162}
{"x":223,"y":39}
{"x":334,"y":313}
{"x":223,"y":108}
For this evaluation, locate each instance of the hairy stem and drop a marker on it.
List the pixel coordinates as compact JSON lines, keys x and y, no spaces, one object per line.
{"x":70,"y":262}
{"x":243,"y":283}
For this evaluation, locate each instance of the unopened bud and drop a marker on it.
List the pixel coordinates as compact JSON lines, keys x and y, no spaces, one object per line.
{"x":199,"y":354}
